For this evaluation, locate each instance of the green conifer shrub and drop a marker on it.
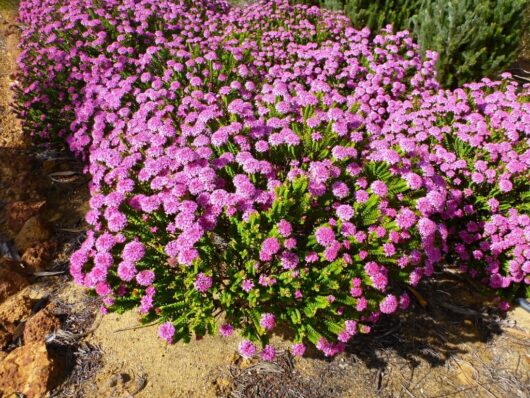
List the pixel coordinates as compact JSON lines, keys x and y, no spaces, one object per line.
{"x":475,"y":38}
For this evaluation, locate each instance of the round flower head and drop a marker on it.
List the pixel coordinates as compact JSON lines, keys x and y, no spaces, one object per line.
{"x":268,"y":321}
{"x":389,"y":304}
{"x":379,"y":188}
{"x":203,"y":282}
{"x":345,"y":212}
{"x":298,"y":349}
{"x":226,"y":330}
{"x":269,"y":248}
{"x":247,"y":285}
{"x":126,"y":271}
{"x":133,"y":251}
{"x":167,"y":331}
{"x":285,"y":228}
{"x":145,"y":278}
{"x":268,"y":353}
{"x":247,"y":349}
{"x":325,"y":236}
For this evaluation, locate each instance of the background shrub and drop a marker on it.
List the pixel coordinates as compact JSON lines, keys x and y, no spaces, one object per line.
{"x":378,"y":14}
{"x":474,"y":38}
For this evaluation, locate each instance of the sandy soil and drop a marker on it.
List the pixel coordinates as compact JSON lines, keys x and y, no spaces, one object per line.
{"x":454,"y":347}
{"x":10,"y":134}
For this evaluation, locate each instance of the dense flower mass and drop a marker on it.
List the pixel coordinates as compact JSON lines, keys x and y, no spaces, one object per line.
{"x":479,"y":139}
{"x":296,"y":176}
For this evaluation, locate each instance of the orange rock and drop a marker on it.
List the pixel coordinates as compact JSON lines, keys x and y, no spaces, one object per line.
{"x":5,"y":338}
{"x":37,"y":257}
{"x":15,"y":309}
{"x":40,"y":325}
{"x":19,"y":212}
{"x":28,"y":370}
{"x":33,"y":232}
{"x":11,"y":282}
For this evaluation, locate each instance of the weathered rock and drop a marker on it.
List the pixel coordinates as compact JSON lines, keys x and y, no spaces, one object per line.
{"x":33,"y":232}
{"x":5,"y":338}
{"x":20,"y":212}
{"x":15,"y":309}
{"x":40,"y":325}
{"x":27,"y":370}
{"x":38,"y":257}
{"x":11,"y":282}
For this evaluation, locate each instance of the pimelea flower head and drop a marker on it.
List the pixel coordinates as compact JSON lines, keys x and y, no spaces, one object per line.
{"x":133,"y":251}
{"x":379,"y":188}
{"x":269,"y":248}
{"x":504,"y":305}
{"x":145,"y":278}
{"x":203,"y":282}
{"x":226,"y":330}
{"x":285,"y":228}
{"x":405,"y":218}
{"x":345,"y":212}
{"x":325,"y":236}
{"x":247,"y":285}
{"x":268,"y":321}
{"x":404,"y":301}
{"x":126,"y":271}
{"x":167,"y":331}
{"x":268,"y":353}
{"x":389,"y":304}
{"x":426,"y":227}
{"x":247,"y":349}
{"x":298,"y":349}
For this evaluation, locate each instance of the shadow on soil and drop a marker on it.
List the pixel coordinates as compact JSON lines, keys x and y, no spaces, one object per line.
{"x":445,"y":315}
{"x":454,"y":313}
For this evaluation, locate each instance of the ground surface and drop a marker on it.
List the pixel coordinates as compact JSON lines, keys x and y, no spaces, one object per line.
{"x":453,"y":346}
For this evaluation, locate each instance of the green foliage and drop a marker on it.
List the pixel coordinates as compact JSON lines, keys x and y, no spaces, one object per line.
{"x":377,"y":14}
{"x":474,"y":38}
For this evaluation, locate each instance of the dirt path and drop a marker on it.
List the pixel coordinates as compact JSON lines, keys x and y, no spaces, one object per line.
{"x":455,"y":347}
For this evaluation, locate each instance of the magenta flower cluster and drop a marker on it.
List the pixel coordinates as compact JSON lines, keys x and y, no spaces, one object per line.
{"x":478,"y":137}
{"x":298,"y":176}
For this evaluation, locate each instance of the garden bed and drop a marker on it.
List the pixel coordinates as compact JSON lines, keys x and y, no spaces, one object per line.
{"x":451,"y":342}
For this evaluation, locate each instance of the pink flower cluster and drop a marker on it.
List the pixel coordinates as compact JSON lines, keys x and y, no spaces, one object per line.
{"x":478,"y":138}
{"x":292,"y":176}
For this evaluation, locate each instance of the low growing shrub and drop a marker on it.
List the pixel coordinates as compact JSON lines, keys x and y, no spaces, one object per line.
{"x":478,"y":137}
{"x":242,"y":162}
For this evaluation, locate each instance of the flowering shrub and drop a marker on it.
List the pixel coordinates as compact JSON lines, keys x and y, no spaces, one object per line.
{"x":479,"y":139}
{"x":241,"y":165}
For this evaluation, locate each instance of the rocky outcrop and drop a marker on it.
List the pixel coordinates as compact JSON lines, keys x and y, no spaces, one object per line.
{"x":14,"y":310}
{"x":40,"y":325}
{"x":28,"y":370}
{"x":20,"y":212}
{"x":11,"y":282}
{"x":34,"y":231}
{"x":38,"y":257}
